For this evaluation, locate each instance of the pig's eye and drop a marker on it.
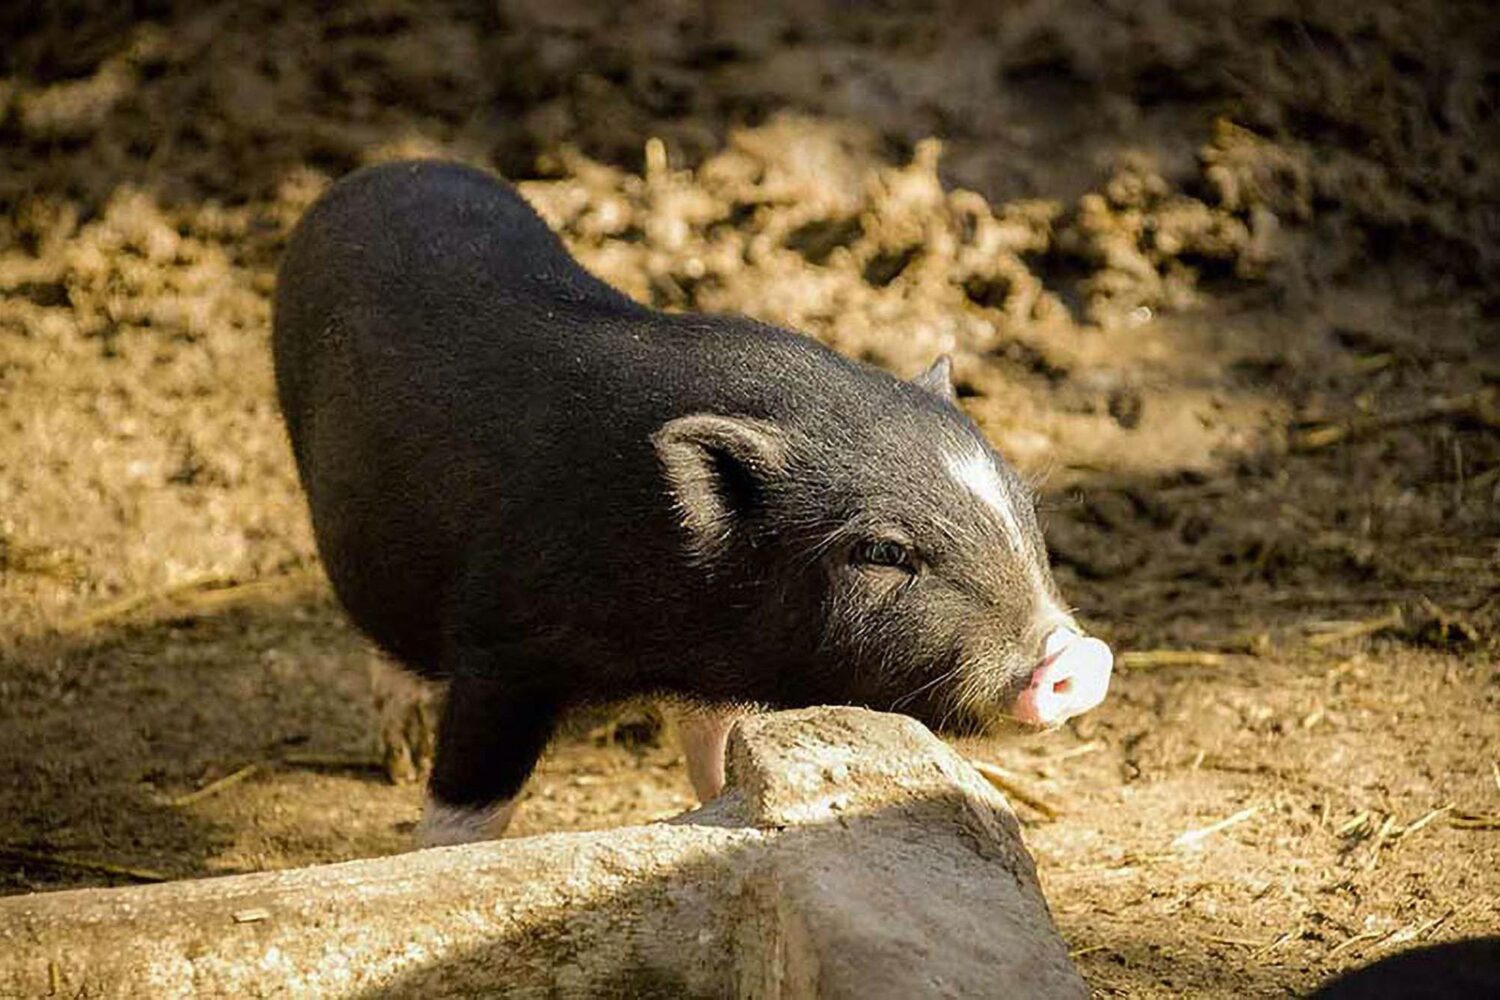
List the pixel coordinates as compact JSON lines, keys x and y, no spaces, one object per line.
{"x":883,"y":552}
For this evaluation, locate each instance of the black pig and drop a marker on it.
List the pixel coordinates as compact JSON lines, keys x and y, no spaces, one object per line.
{"x":525,"y":483}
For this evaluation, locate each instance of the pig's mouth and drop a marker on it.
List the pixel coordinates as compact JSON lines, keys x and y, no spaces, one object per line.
{"x":1072,"y":677}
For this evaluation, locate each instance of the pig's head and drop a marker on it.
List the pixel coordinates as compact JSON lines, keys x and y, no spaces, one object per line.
{"x":903,"y":549}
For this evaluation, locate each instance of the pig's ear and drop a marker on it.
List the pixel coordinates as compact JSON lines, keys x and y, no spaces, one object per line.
{"x":717,"y":468}
{"x":938,"y":379}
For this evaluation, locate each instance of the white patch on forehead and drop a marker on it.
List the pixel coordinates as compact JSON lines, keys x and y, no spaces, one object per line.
{"x":976,"y":472}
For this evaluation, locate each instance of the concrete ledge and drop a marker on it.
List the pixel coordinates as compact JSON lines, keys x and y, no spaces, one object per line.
{"x":853,"y":855}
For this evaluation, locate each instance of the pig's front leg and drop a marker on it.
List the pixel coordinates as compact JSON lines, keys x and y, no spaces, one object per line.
{"x":703,"y":731}
{"x":489,"y":739}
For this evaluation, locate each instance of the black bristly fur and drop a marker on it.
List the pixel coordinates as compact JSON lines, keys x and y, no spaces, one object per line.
{"x":485,"y":434}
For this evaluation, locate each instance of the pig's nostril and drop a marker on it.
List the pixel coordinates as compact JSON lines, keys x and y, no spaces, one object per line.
{"x":1071,"y":678}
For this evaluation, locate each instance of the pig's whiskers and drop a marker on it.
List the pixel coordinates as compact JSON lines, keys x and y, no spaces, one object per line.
{"x":912,"y":695}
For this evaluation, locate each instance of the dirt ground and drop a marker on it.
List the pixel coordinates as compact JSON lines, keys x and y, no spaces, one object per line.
{"x":1221,"y":276}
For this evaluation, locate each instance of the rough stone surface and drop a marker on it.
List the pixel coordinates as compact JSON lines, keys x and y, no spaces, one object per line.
{"x":853,"y":855}
{"x":896,"y":870}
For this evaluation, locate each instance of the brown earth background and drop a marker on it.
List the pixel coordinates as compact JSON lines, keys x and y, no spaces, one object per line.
{"x":1221,"y":276}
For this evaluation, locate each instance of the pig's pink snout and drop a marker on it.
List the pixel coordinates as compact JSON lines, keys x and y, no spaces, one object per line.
{"x":1071,"y":679}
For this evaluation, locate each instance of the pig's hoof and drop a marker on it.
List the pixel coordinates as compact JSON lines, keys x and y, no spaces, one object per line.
{"x":444,"y":825}
{"x":407,"y":707}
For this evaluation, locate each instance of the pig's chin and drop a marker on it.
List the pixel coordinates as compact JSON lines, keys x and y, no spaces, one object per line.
{"x":1005,"y":713}
{"x":961,"y":722}
{"x":1002,"y":722}
{"x":1006,"y":724}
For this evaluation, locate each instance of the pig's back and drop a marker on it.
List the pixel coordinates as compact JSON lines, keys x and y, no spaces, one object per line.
{"x":423,"y":263}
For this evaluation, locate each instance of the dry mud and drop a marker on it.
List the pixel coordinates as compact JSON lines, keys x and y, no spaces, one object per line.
{"x":1221,"y":276}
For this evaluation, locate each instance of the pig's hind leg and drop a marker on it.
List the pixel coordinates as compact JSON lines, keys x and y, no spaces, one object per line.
{"x":489,"y":739}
